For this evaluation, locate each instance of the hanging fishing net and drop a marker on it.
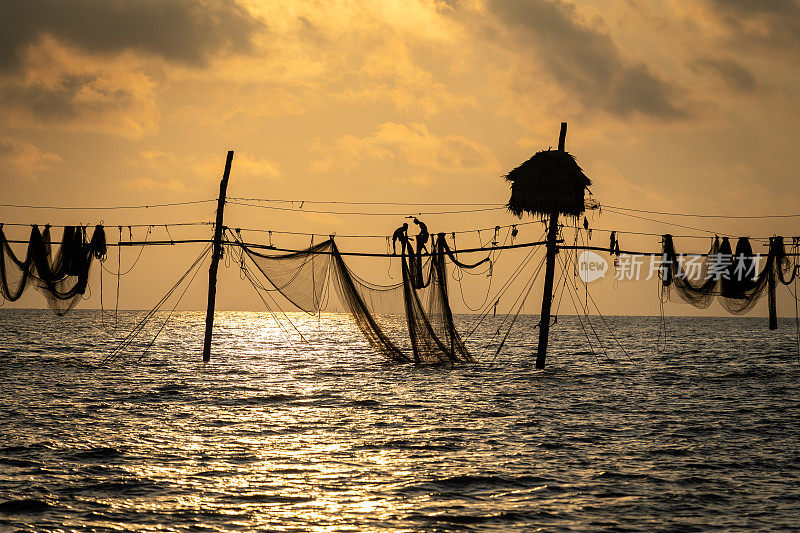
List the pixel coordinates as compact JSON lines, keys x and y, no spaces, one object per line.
{"x":736,"y":278}
{"x":409,"y":321}
{"x":62,"y":277}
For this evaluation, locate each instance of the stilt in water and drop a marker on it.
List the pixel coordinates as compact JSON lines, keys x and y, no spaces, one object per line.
{"x":550,"y":267}
{"x":217,"y":252}
{"x":548,"y":185}
{"x":771,"y":296}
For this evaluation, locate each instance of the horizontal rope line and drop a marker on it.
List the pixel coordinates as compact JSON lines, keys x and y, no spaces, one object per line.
{"x":367,"y":254}
{"x":298,"y":210}
{"x":112,"y":226}
{"x":622,"y":252}
{"x":94,"y":208}
{"x":668,"y":223}
{"x":363,"y":235}
{"x":409,"y":204}
{"x":290,"y":250}
{"x":335,"y":202}
{"x":697,"y":215}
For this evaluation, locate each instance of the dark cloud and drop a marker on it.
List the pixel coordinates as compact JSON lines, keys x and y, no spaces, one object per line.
{"x":774,"y":24}
{"x":730,"y":72}
{"x":183,"y":31}
{"x":91,"y":101}
{"x":584,"y":60}
{"x":61,"y":102}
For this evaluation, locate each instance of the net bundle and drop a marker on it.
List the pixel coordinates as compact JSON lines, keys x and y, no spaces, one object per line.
{"x":731,"y":276}
{"x":62,"y":277}
{"x":410,"y":321}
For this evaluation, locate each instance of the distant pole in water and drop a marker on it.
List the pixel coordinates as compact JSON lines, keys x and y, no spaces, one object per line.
{"x":771,"y":296}
{"x":212,"y":270}
{"x":552,"y":250}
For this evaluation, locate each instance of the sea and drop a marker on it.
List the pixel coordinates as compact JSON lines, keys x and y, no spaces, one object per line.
{"x":636,"y":424}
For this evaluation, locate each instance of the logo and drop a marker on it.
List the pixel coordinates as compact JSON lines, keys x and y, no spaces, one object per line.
{"x":591,"y":266}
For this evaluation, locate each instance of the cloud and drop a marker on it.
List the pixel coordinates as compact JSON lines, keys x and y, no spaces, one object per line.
{"x":583,"y":59}
{"x":88,"y":65}
{"x":182,"y":31}
{"x":19,"y":158}
{"x":361,"y":53}
{"x":411,"y":144}
{"x":66,"y":90}
{"x":730,"y":72}
{"x":773,"y":24}
{"x":154,"y":185}
{"x":174,"y":172}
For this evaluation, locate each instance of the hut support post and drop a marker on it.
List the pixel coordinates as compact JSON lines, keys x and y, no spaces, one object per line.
{"x":549,"y":273}
{"x":771,"y":296}
{"x":217,"y":252}
{"x":547,"y":297}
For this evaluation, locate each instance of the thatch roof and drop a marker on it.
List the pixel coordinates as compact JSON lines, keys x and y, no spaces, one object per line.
{"x":549,"y":181}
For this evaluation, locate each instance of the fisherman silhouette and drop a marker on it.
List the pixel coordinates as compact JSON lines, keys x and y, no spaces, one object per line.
{"x":423,"y":236}
{"x":400,"y":234}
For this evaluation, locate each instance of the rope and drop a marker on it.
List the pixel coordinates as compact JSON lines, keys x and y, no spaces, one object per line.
{"x":247,"y":204}
{"x":414,"y":204}
{"x":503,"y":289}
{"x":602,"y":317}
{"x":119,"y":272}
{"x":580,"y":321}
{"x":259,"y":288}
{"x":333,"y":202}
{"x":166,"y":320}
{"x":697,"y":215}
{"x":139,"y":327}
{"x":585,"y":311}
{"x":533,"y":279}
{"x":109,"y":208}
{"x":173,"y":224}
{"x":669,"y":223}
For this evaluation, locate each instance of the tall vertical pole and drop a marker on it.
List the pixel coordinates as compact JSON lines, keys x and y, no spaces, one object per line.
{"x":212,"y":270}
{"x":772,"y":300}
{"x":550,"y":267}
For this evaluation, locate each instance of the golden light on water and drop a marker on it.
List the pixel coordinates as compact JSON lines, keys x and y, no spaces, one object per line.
{"x":348,"y":119}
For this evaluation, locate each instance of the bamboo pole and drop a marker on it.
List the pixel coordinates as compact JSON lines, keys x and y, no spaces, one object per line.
{"x":772,"y":301}
{"x":212,"y":270}
{"x":552,"y":250}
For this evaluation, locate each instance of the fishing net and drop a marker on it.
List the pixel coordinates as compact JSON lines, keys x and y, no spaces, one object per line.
{"x":409,"y":321}
{"x":732,"y":277}
{"x":61,"y":277}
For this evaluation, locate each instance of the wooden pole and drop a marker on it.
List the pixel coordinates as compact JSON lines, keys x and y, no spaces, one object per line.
{"x":771,"y":296}
{"x":212,"y":270}
{"x":550,"y":267}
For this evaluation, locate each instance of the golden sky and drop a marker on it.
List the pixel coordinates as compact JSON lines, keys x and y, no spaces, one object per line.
{"x":672,"y":106}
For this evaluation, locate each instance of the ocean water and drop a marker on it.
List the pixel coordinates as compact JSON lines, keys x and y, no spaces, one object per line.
{"x":695,"y":432}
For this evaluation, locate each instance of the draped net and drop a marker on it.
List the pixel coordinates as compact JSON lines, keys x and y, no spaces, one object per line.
{"x":731,"y":276}
{"x":409,"y":321}
{"x":61,"y":277}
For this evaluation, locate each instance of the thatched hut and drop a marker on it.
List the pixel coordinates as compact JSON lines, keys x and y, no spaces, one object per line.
{"x":550,"y":181}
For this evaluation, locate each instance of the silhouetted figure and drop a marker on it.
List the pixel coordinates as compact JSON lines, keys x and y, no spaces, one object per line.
{"x":422,"y":237}
{"x":400,"y":234}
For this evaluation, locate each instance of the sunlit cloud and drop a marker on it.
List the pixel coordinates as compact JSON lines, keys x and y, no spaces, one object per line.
{"x":174,"y":172}
{"x":184,"y":31}
{"x":413,"y":144}
{"x":62,"y":88}
{"x":22,"y":159}
{"x":154,"y":185}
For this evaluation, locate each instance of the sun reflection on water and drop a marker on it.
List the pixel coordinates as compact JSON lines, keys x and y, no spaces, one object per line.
{"x":282,"y":435}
